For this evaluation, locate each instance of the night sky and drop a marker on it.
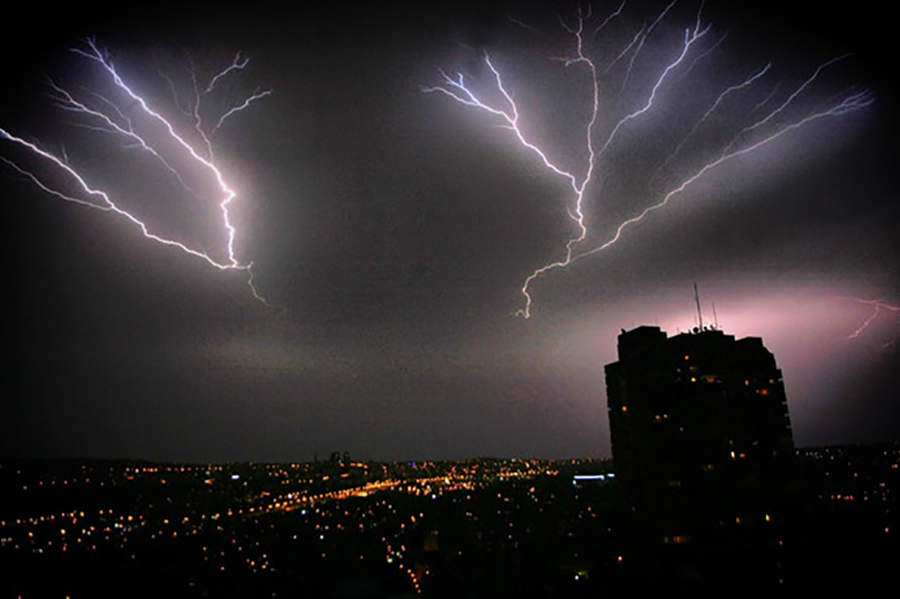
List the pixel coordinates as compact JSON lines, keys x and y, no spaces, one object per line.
{"x":391,"y":230}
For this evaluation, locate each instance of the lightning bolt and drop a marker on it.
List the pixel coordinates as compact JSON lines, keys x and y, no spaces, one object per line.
{"x":761,"y":132}
{"x":852,"y":102}
{"x":878,"y":306}
{"x":706,"y":115}
{"x":119,"y":116}
{"x":508,"y":111}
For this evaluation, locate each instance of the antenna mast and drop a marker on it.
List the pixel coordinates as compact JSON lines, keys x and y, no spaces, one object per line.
{"x":697,"y":299}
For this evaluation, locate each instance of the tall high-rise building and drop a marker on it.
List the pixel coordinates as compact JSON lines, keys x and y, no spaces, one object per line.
{"x":703,"y":450}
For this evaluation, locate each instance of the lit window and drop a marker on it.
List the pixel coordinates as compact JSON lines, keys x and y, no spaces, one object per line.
{"x":676,"y":539}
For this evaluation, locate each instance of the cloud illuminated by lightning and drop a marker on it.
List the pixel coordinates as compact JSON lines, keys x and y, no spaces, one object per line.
{"x":123,"y":113}
{"x":761,"y":130}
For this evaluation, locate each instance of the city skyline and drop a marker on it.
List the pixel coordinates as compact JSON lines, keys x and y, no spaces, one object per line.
{"x":391,"y":231}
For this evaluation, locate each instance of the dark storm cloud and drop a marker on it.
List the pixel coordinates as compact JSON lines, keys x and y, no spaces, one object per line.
{"x":394,"y":229}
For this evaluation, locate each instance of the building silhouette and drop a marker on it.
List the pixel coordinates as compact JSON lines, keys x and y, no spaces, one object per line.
{"x":702,"y":445}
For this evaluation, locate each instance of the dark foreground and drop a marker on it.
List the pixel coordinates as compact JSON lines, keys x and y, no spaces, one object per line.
{"x":477,"y":528}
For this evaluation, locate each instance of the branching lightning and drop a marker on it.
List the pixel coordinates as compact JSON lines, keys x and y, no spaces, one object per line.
{"x":129,"y":116}
{"x":599,"y":141}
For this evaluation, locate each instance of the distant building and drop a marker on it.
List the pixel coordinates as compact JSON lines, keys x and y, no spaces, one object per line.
{"x":702,"y":445}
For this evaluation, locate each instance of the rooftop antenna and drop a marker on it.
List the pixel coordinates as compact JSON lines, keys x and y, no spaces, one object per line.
{"x":699,"y":312}
{"x":715,"y":316}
